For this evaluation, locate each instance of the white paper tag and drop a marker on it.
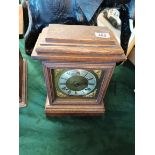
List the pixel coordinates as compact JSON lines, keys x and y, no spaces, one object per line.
{"x":102,"y":35}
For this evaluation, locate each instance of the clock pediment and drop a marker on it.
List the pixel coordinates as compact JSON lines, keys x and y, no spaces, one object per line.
{"x":78,"y":43}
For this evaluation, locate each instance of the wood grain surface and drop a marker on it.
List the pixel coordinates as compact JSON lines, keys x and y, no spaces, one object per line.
{"x":74,"y":110}
{"x":20,"y":19}
{"x":77,"y":44}
{"x":76,"y":34}
{"x":73,"y":46}
{"x":22,"y":82}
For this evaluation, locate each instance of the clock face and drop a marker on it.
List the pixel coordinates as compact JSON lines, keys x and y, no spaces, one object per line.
{"x":77,"y":82}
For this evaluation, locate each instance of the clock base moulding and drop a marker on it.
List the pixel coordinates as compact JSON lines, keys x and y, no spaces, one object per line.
{"x":74,"y":110}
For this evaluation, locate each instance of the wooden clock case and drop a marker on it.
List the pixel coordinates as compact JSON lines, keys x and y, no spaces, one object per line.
{"x":22,"y":81}
{"x":76,"y":47}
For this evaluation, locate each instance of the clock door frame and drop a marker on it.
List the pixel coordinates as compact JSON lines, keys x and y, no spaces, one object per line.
{"x":53,"y":100}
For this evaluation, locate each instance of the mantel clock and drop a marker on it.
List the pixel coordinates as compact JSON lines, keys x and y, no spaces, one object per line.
{"x":78,"y":62}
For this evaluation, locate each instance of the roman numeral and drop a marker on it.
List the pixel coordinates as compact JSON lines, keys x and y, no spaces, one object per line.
{"x":91,"y":83}
{"x":65,"y":88}
{"x":69,"y":92}
{"x":90,"y":78}
{"x":62,"y":83}
{"x":86,"y":74}
{"x":88,"y":89}
{"x":63,"y":78}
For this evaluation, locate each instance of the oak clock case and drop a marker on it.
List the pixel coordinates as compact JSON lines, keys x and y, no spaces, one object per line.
{"x":78,"y":62}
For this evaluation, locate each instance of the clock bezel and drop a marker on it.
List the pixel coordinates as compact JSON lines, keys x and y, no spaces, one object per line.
{"x":65,"y":95}
{"x":49,"y":67}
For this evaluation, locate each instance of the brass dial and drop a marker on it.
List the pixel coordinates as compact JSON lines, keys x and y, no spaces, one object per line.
{"x":77,"y":82}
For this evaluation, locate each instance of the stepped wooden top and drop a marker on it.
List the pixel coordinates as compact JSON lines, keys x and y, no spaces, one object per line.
{"x":77,"y":43}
